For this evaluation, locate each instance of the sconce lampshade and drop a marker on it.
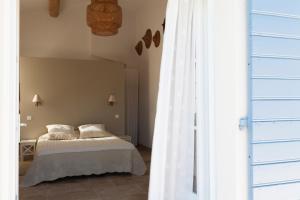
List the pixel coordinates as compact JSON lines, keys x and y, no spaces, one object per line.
{"x":112,"y":99}
{"x":104,"y":17}
{"x":36,"y":100}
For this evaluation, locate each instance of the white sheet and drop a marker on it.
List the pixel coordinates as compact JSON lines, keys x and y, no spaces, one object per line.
{"x":62,"y":158}
{"x":46,"y":147}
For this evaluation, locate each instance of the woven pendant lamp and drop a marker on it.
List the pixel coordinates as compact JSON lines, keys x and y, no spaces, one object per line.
{"x":104,"y":17}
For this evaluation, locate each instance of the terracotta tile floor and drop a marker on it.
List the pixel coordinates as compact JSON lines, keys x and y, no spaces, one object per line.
{"x":102,"y":187}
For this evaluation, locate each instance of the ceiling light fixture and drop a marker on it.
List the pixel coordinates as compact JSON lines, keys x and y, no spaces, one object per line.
{"x":104,"y":17}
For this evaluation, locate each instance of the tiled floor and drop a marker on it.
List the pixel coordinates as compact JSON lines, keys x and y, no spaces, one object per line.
{"x":103,"y":187}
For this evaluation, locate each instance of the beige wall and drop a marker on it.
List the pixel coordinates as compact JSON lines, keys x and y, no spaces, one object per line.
{"x":74,"y":92}
{"x":150,"y":15}
{"x":67,"y":36}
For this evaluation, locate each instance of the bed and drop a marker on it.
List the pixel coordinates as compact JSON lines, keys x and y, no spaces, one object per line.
{"x":56,"y":159}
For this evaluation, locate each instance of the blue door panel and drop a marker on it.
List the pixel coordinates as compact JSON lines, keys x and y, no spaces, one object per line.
{"x":270,"y":131}
{"x":287,"y":7}
{"x":274,"y":100}
{"x":272,"y":110}
{"x":277,"y":192}
{"x":275,"y":173}
{"x":265,"y":153}
{"x":266,"y":88}
{"x":267,"y":67}
{"x":275,"y":46}
{"x":275,"y":25}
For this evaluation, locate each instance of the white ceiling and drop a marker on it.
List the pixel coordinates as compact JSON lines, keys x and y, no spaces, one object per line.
{"x":127,"y":5}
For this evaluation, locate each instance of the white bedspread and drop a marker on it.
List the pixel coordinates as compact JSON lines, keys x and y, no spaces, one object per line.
{"x":46,"y":147}
{"x":58,"y":159}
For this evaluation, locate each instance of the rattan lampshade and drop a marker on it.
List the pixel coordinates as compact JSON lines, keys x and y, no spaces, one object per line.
{"x":104,"y":17}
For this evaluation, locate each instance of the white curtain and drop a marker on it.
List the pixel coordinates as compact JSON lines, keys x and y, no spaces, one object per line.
{"x":172,"y":167}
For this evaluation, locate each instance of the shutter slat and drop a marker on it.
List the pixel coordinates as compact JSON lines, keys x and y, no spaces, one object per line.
{"x":274,"y":99}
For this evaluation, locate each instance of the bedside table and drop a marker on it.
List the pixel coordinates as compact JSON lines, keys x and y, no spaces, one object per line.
{"x":125,"y":137}
{"x":27,"y":149}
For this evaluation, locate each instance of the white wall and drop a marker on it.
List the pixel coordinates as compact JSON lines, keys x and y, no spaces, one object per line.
{"x":150,"y":15}
{"x":230,"y":61}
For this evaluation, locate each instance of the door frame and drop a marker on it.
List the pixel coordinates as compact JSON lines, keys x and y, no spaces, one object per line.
{"x":9,"y":98}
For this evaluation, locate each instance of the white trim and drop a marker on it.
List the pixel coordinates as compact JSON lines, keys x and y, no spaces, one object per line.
{"x":240,"y":31}
{"x":9,"y":99}
{"x":211,"y":97}
{"x":230,"y":64}
{"x":205,"y":104}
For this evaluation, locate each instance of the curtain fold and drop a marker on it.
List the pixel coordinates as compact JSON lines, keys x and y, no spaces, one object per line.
{"x":172,"y":167}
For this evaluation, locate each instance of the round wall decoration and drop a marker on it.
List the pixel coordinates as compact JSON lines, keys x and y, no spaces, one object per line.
{"x":104,"y":17}
{"x":148,"y":38}
{"x":164,"y":24}
{"x":139,"y":48}
{"x":156,"y":38}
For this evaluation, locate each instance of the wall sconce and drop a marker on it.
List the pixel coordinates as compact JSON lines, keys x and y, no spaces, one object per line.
{"x":112,"y":100}
{"x":36,"y":100}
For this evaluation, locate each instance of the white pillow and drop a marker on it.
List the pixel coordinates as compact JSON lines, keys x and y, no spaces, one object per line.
{"x":54,"y":128}
{"x":93,"y":131}
{"x":61,"y":136}
{"x":92,"y":127}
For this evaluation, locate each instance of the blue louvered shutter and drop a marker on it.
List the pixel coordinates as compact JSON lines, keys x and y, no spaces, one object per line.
{"x":274,"y":100}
